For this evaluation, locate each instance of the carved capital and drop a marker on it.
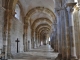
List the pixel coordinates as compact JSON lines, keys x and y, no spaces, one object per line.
{"x":70,"y":7}
{"x":70,"y":4}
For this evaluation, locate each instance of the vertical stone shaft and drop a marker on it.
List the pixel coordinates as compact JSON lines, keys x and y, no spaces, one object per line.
{"x":32,"y":40}
{"x":67,"y":36}
{"x":25,"y":37}
{"x":7,"y":29}
{"x":71,"y":27}
{"x":63,"y":34}
{"x":59,"y":27}
{"x":29,"y":36}
{"x":79,"y":34}
{"x":9,"y":38}
{"x":36,"y":40}
{"x":76,"y":28}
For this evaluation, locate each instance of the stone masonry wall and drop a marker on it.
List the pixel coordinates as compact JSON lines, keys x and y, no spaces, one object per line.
{"x":16,"y":32}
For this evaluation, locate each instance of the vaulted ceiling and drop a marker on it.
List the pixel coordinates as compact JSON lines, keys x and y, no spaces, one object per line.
{"x":29,"y":4}
{"x":39,"y":14}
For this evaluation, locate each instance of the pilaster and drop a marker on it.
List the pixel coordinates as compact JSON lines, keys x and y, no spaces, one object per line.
{"x":6,"y":33}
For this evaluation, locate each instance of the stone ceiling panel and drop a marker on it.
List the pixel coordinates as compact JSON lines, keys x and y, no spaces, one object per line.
{"x":29,"y":4}
{"x":39,"y":15}
{"x":41,"y":23}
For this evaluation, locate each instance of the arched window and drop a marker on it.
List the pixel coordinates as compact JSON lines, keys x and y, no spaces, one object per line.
{"x":17,"y":10}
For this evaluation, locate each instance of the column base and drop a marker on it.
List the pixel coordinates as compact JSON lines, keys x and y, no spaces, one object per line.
{"x":73,"y":58}
{"x":59,"y":57}
{"x":9,"y":56}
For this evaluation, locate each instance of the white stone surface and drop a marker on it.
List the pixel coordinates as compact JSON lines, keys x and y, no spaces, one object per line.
{"x":44,"y":52}
{"x":29,"y":4}
{"x":16,"y":32}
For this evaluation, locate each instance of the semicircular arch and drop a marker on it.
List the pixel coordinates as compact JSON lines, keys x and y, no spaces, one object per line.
{"x":39,"y":9}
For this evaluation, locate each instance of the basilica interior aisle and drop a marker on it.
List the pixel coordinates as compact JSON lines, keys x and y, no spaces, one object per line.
{"x":44,"y":52}
{"x":26,"y":26}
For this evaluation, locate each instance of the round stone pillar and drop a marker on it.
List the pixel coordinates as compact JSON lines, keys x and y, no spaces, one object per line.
{"x":6,"y":34}
{"x":58,"y":14}
{"x":29,"y":36}
{"x":71,"y":27}
{"x":25,"y":37}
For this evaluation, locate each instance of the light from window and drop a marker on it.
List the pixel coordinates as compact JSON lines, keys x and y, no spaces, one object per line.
{"x":75,"y":1}
{"x":49,"y":38}
{"x":17,"y":10}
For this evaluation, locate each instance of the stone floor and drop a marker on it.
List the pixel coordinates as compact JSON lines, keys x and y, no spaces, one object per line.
{"x":44,"y":52}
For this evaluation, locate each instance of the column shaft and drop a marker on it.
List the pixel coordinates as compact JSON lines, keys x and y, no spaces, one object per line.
{"x":72,"y":35}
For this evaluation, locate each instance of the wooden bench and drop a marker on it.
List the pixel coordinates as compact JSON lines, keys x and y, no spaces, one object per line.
{"x":1,"y":54}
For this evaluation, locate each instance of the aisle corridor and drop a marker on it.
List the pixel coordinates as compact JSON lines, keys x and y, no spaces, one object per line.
{"x":42,"y":53}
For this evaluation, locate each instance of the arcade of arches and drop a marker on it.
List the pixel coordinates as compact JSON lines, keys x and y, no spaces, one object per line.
{"x":29,"y":25}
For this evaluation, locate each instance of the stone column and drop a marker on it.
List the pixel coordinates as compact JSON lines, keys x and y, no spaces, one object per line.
{"x":55,"y":39}
{"x":62,"y":11}
{"x":79,"y":33}
{"x":36,"y":40}
{"x":9,"y":37}
{"x":29,"y":36}
{"x":2,"y":17}
{"x":76,"y":18}
{"x":77,"y":30}
{"x":67,"y":36}
{"x":6,"y":34}
{"x":52,"y":40}
{"x":59,"y":33}
{"x":71,"y":27}
{"x":32,"y":38}
{"x":25,"y":37}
